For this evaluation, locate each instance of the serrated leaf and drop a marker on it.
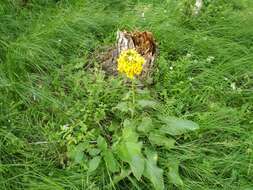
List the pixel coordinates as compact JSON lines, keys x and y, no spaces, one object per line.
{"x":147,"y":103}
{"x":173,"y":174}
{"x":93,"y":163}
{"x":153,"y":172}
{"x":161,"y":140}
{"x":111,"y":162}
{"x":145,"y":125}
{"x":101,"y":142}
{"x":176,"y":126}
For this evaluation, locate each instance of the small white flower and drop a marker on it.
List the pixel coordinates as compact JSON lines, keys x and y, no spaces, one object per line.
{"x":188,"y":55}
{"x":209,"y":59}
{"x":190,"y":78}
{"x":233,"y":86}
{"x":225,"y":78}
{"x":171,"y":68}
{"x":65,"y":127}
{"x":59,"y":40}
{"x":142,"y":14}
{"x":195,"y":61}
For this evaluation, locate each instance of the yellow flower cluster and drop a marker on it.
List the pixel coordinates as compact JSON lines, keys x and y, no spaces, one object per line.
{"x":131,"y":63}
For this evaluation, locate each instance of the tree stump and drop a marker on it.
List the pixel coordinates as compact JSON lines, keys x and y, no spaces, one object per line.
{"x":142,"y":42}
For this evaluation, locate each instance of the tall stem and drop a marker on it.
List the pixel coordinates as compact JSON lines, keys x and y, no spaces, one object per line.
{"x":133,"y":99}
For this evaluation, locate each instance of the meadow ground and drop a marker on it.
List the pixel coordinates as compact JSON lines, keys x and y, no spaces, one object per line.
{"x":49,"y":77}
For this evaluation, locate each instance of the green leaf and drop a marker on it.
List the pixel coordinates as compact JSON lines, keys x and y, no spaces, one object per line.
{"x":152,"y":171}
{"x":161,"y":140}
{"x":123,"y":107}
{"x":137,"y":166}
{"x":173,"y":174}
{"x":151,"y":155}
{"x":128,"y":123}
{"x":147,"y":103}
{"x":123,"y":174}
{"x":76,"y":153}
{"x":176,"y":126}
{"x":94,"y":151}
{"x":129,"y":149}
{"x":127,"y":95}
{"x":101,"y":142}
{"x":145,"y":125}
{"x":93,"y":163}
{"x":111,"y":162}
{"x":136,"y":158}
{"x":122,"y":152}
{"x":129,"y":133}
{"x":78,"y":157}
{"x":130,"y":152}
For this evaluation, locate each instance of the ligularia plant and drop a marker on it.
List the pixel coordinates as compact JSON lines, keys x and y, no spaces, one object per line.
{"x":122,"y":139}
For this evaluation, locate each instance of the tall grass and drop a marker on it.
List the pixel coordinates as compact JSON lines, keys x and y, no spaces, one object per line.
{"x":204,"y":72}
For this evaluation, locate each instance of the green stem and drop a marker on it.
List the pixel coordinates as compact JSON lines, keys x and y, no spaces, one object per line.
{"x":133,"y":99}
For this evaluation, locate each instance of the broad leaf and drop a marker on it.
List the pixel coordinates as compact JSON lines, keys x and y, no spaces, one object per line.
{"x":101,"y":142}
{"x":173,"y":174}
{"x":128,"y":123}
{"x":111,"y":162}
{"x":151,"y":155}
{"x":136,"y":158}
{"x":93,"y":163}
{"x":145,"y":125}
{"x":76,"y":153}
{"x":176,"y":126}
{"x":123,"y":174}
{"x":130,"y":152}
{"x":161,"y":140}
{"x":153,"y":172}
{"x":94,"y":151}
{"x":122,"y":152}
{"x":129,"y":133}
{"x":78,"y":157}
{"x":123,"y":107}
{"x":147,"y":103}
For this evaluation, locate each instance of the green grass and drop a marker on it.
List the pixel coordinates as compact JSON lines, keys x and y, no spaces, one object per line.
{"x":204,"y":72}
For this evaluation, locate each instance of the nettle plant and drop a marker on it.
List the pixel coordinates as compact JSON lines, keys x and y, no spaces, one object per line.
{"x":126,"y":146}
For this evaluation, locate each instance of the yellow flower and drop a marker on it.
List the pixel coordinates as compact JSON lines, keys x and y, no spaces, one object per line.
{"x":131,"y":63}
